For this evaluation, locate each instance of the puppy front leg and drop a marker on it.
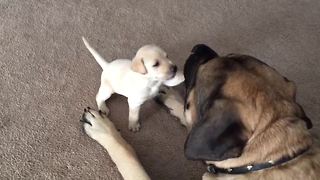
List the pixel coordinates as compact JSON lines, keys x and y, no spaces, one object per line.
{"x":134,"y":109}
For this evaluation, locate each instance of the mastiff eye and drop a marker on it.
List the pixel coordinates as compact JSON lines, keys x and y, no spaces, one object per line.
{"x":187,"y":106}
{"x":156,"y":64}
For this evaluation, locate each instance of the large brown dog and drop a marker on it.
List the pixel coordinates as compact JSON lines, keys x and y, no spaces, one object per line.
{"x":242,"y":117}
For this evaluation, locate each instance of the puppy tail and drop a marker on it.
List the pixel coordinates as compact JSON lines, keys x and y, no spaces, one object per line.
{"x":101,"y":61}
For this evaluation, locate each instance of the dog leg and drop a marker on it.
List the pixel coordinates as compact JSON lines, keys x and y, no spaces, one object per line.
{"x":101,"y":129}
{"x":173,"y":101}
{"x":134,"y":108}
{"x":104,"y":93}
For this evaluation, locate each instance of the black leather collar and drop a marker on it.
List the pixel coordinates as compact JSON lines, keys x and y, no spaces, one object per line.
{"x":254,"y":167}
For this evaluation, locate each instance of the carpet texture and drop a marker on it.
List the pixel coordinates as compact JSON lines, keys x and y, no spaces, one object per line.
{"x":47,"y":76}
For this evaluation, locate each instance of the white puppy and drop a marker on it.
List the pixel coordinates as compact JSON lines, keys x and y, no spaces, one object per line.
{"x":138,"y":80}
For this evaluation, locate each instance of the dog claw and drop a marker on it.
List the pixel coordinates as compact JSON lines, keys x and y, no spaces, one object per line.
{"x":102,"y":113}
{"x":85,"y":121}
{"x":89,"y":111}
{"x":135,"y":127}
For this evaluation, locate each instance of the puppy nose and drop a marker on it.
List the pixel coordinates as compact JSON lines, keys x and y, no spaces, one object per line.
{"x":173,"y":68}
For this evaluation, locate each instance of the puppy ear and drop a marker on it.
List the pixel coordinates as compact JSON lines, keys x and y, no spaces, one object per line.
{"x":138,"y":66}
{"x":218,"y":136}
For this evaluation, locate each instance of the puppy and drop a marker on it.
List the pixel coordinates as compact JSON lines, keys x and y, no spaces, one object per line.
{"x":138,"y":80}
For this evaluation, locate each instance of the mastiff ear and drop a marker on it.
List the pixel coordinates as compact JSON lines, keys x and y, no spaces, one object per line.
{"x":138,"y":66}
{"x":204,"y":50}
{"x":200,"y":54}
{"x":219,"y":135}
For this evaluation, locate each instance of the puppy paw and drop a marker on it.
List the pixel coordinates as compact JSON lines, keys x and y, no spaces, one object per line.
{"x":96,"y":124}
{"x":134,"y":126}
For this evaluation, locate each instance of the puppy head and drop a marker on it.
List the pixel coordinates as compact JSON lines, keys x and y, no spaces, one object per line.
{"x":153,"y":61}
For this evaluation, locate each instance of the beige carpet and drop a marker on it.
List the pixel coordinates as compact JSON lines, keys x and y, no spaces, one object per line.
{"x":47,"y":76}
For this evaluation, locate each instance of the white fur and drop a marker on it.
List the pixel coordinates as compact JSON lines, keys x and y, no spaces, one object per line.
{"x":103,"y":131}
{"x":118,"y":77}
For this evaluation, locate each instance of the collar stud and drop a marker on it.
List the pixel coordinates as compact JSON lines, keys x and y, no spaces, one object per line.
{"x":211,"y":169}
{"x":271,"y":162}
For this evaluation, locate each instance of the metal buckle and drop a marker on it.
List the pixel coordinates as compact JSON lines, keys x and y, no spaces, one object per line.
{"x":211,"y":169}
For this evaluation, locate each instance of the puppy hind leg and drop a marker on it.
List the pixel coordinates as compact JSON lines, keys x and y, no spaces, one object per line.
{"x":104,"y":93}
{"x":134,"y":109}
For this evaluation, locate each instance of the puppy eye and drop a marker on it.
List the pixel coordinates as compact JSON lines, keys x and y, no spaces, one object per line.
{"x":156,"y":64}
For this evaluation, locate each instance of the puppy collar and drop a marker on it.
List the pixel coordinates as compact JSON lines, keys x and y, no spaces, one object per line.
{"x":254,"y":167}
